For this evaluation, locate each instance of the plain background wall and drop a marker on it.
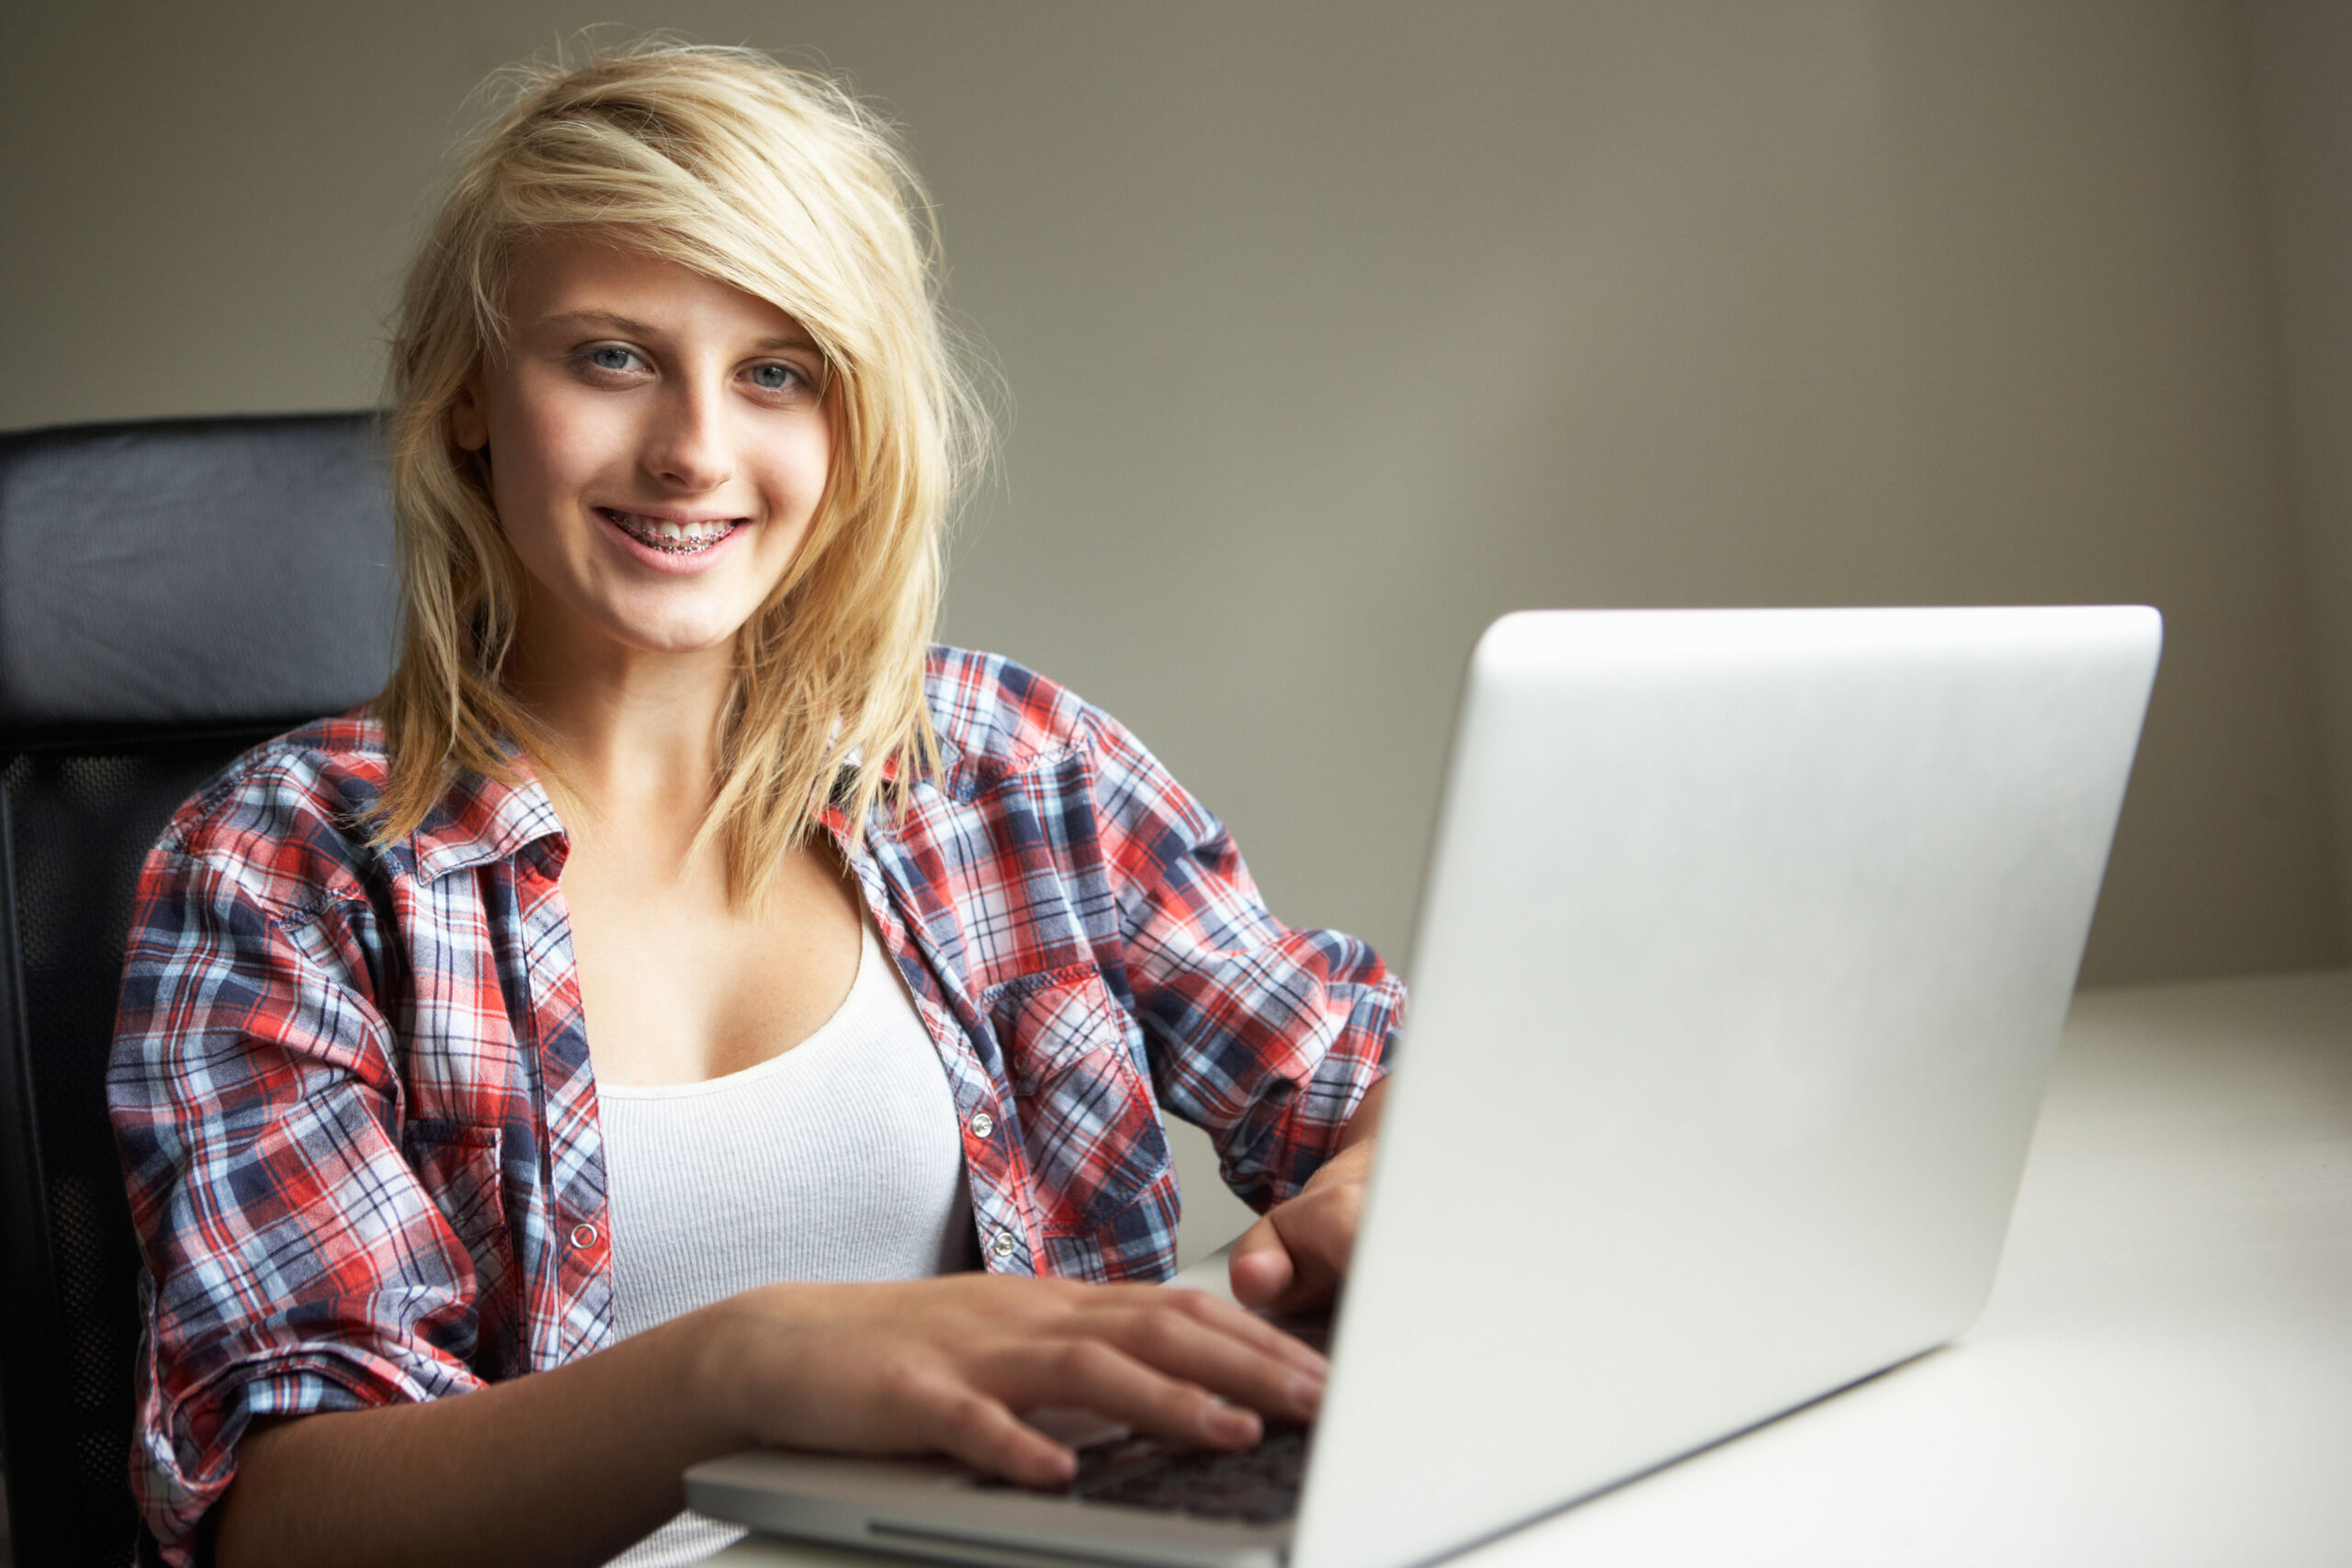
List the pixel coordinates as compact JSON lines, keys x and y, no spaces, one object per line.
{"x":1334,"y":329}
{"x":2300,"y":68}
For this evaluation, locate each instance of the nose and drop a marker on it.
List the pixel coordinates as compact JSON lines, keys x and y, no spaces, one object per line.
{"x":687,"y":448}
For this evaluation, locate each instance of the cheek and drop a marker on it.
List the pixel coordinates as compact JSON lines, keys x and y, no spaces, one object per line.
{"x":800,"y":469}
{"x":555,"y":439}
{"x":543,"y":453}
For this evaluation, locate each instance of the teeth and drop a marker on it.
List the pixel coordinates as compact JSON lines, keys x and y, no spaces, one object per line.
{"x":675,"y":538}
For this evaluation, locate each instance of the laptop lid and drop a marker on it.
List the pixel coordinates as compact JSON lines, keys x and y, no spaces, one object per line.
{"x":1744,"y":943}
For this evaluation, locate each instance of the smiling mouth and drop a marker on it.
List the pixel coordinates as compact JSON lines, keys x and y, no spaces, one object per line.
{"x":669,"y":539}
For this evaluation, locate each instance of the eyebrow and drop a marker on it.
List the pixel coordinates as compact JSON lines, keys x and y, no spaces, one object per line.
{"x":630,"y":327}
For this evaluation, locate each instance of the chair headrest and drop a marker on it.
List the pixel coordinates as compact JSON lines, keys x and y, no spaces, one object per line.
{"x":192,"y":574}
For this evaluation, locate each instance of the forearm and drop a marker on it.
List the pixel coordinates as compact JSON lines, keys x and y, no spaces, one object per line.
{"x":570,"y":1466}
{"x":562,"y":1467}
{"x":1365,"y":1124}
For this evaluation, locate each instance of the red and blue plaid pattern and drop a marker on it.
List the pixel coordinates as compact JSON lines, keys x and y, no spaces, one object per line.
{"x":353,"y":1092}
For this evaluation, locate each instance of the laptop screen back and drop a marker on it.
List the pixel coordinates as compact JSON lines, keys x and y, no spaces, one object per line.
{"x":1745,"y":942}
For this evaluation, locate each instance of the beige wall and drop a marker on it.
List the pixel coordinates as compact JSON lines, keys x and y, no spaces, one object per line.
{"x":2300,"y":70}
{"x":1334,"y":330}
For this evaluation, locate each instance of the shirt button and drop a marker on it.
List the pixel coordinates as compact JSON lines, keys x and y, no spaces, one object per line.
{"x":1001,"y":1245}
{"x":982,"y":1125}
{"x":584,"y":1236}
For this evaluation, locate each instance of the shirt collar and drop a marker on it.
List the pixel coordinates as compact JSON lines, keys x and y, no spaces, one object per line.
{"x":480,"y":819}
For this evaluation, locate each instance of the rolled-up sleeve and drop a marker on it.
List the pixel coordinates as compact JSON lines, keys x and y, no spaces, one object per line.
{"x":1265,"y":1036}
{"x":295,"y":1262}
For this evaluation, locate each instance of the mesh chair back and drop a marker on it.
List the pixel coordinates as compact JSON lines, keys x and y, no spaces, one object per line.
{"x":170,"y":593}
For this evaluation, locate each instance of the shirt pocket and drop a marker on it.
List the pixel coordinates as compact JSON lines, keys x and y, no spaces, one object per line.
{"x":458,"y":1164}
{"x":1089,"y":1125}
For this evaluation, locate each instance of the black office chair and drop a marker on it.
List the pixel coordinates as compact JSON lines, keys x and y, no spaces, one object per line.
{"x":170,"y":593}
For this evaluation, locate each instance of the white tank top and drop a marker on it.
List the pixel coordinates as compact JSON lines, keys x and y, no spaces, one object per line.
{"x":839,"y":1159}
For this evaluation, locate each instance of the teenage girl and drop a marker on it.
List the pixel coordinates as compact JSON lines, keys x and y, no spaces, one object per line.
{"x":686,"y":1010}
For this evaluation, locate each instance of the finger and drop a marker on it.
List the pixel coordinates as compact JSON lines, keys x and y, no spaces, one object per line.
{"x":987,"y":1436}
{"x":1178,"y":1343}
{"x":1261,"y":1267}
{"x":1092,"y":1374}
{"x":1249,"y":1327}
{"x":1318,"y":1232}
{"x":1213,"y":1311}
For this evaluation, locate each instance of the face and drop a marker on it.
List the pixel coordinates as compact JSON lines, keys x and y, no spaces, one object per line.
{"x":658,"y":444}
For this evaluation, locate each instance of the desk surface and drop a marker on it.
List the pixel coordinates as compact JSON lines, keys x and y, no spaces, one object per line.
{"x":2164,"y":1374}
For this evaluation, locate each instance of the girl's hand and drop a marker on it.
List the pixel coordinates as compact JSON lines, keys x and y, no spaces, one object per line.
{"x":1296,"y":1258}
{"x":950,"y":1365}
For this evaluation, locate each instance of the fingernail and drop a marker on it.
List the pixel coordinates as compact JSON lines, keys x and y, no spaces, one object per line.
{"x":1306,"y":1393}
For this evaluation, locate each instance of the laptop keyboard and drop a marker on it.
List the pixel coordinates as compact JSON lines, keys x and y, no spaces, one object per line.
{"x":1256,"y":1485}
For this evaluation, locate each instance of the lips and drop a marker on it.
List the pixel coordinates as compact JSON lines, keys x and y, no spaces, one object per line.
{"x":669,"y":537}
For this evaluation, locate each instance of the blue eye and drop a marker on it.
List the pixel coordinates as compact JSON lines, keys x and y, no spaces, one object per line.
{"x":773,"y":378}
{"x":610,"y":356}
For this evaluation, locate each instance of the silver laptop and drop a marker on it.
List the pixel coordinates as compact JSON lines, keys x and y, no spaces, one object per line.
{"x":1744,"y":940}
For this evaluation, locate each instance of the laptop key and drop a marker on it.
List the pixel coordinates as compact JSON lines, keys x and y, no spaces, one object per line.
{"x":1256,"y":1485}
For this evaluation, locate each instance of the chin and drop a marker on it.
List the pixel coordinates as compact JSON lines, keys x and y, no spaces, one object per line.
{"x":686,"y":644}
{"x":676,"y":639}
{"x":683,"y":630}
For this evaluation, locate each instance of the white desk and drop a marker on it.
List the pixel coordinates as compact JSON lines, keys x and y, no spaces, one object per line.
{"x":2164,"y":1374}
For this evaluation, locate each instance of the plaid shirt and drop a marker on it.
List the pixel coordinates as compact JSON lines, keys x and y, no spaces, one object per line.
{"x":354,"y":1098}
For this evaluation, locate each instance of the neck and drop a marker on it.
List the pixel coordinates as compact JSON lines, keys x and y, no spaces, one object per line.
{"x":633,"y":736}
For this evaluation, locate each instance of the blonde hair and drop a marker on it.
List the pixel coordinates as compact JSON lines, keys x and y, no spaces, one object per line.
{"x":778,"y":183}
